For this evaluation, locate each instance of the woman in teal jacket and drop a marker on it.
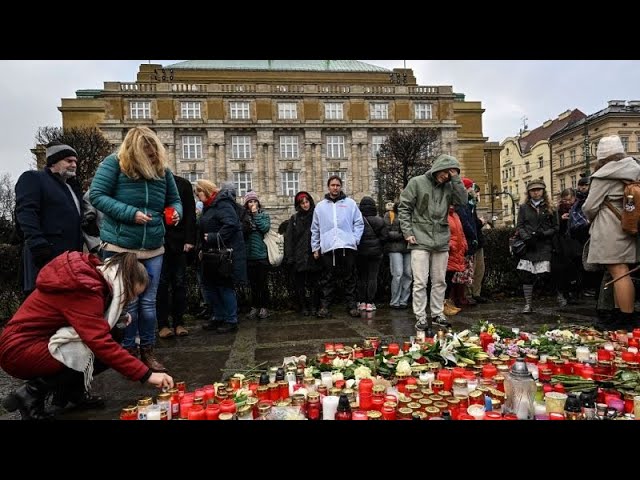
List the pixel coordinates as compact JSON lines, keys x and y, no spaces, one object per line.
{"x":132,"y":189}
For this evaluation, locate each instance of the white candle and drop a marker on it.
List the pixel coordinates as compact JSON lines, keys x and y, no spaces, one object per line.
{"x":329,"y":407}
{"x":632,"y":350}
{"x":153,"y":412}
{"x":431,"y":376}
{"x":325,"y":378}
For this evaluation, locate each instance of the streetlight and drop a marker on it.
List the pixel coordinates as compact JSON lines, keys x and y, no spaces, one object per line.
{"x":513,"y":204}
{"x":586,"y":148}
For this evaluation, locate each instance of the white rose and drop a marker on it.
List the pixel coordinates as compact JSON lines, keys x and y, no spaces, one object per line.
{"x":403,"y":368}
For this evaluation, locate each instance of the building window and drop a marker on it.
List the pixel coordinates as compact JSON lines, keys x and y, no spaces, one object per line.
{"x":526,"y":167}
{"x":572,"y":156}
{"x":287,"y":111}
{"x":335,"y":146}
{"x":376,"y":182}
{"x":540,"y":162}
{"x":561,"y":159}
{"x":333,"y":111}
{"x":140,"y":110}
{"x":290,"y":183}
{"x":190,"y":110}
{"x":517,"y":189}
{"x":242,"y":181}
{"x":192,"y":148}
{"x":376,"y":143}
{"x":573,"y":181}
{"x":379,"y":111}
{"x":563,"y":184}
{"x":239,"y":110}
{"x":288,"y":147}
{"x":423,"y":111}
{"x":240,"y":147}
{"x":625,"y":143}
{"x":193,"y":176}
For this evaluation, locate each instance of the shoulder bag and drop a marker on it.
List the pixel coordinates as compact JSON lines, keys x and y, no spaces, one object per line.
{"x":217,"y":263}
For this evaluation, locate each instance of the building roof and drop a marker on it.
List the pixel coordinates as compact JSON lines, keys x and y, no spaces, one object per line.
{"x":544,"y":132}
{"x":279,"y":65}
{"x":615,"y":107}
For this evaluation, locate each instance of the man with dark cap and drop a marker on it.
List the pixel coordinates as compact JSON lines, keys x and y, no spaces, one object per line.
{"x":49,"y":211}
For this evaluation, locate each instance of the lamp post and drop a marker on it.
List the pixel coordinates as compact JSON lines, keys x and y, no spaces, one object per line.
{"x":513,"y":204}
{"x":586,"y":148}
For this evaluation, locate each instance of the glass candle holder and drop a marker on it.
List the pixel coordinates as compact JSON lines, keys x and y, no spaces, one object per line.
{"x":554,"y":401}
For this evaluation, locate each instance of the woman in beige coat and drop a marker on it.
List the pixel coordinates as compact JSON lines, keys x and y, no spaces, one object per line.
{"x":610,"y":246}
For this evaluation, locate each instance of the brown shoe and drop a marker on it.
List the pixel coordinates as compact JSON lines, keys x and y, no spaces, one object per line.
{"x":165,"y":332}
{"x":149,"y":359}
{"x":181,"y":331}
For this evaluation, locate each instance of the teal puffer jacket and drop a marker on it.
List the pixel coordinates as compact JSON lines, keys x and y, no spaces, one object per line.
{"x":120,"y":197}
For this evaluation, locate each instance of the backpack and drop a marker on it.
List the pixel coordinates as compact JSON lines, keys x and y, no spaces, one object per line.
{"x":630,"y":215}
{"x":577,"y":219}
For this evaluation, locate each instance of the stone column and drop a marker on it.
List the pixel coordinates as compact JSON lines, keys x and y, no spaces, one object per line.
{"x":308,"y":168}
{"x":261,"y":156}
{"x":364,"y":168}
{"x":171,"y":157}
{"x":355,"y":188}
{"x":222,"y":163}
{"x":317,"y":159}
{"x":271,"y":169}
{"x":210,"y":167}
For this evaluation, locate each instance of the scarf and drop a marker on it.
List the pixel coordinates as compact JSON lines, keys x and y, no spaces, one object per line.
{"x":67,"y":347}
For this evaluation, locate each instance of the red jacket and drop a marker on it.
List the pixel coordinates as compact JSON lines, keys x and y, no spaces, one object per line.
{"x":457,"y":244}
{"x":69,"y":292}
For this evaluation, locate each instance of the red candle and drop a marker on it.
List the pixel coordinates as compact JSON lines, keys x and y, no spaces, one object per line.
{"x":628,"y":356}
{"x":388,"y":412}
{"x":558,"y":387}
{"x":489,"y":370}
{"x":227,"y":406}
{"x":339,"y":384}
{"x":412,"y":381}
{"x":377,"y":403}
{"x":394,"y":349}
{"x":446,"y":376}
{"x":185,"y":406}
{"x":359,"y":415}
{"x":485,"y":340}
{"x":365,"y":385}
{"x":604,"y":354}
{"x":458,"y":372}
{"x":634,"y":342}
{"x":329,"y":347}
{"x":556,"y":416}
{"x":212,"y":411}
{"x":196,"y":412}
{"x":636,"y":333}
{"x":365,"y":400}
{"x":510,"y":416}
{"x":492,"y":416}
{"x":339,"y":346}
{"x":465,"y":416}
{"x":587,"y":371}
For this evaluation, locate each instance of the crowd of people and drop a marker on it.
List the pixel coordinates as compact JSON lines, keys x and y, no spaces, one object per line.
{"x":99,"y":305}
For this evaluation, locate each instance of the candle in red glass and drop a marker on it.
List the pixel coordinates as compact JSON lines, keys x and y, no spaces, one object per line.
{"x":199,"y":393}
{"x":185,"y":406}
{"x":227,"y":406}
{"x":389,"y":412}
{"x":212,"y":411}
{"x":196,"y":412}
{"x":377,"y":403}
{"x":510,"y":416}
{"x":131,"y":413}
{"x":604,"y":355}
{"x":329,"y":347}
{"x":359,"y":415}
{"x":489,"y":370}
{"x":628,"y":356}
{"x":587,"y":371}
{"x":394,"y":349}
{"x":458,"y":372}
{"x":465,"y":416}
{"x":446,"y":376}
{"x":545,"y":374}
{"x":209,"y":393}
{"x":365,"y":385}
{"x":556,"y":416}
{"x":339,"y":384}
{"x":412,"y":381}
{"x":485,"y":340}
{"x":634,"y":342}
{"x":181,"y":386}
{"x":578,"y":368}
{"x":636,"y":333}
{"x":558,"y":387}
{"x":492,"y":415}
{"x":365,"y":400}
{"x":339,"y":346}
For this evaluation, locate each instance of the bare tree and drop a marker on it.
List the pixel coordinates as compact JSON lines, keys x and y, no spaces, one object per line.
{"x":405,"y":154}
{"x":7,"y":196}
{"x":92,"y":147}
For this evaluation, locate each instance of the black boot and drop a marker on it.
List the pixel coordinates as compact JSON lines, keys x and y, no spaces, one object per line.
{"x":29,"y":399}
{"x":71,"y":394}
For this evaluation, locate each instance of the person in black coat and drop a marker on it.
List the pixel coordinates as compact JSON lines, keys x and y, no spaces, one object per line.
{"x":298,"y":256}
{"x":537,"y":225}
{"x":179,"y":240}
{"x":370,"y":249}
{"x":219,"y":224}
{"x":49,"y":212}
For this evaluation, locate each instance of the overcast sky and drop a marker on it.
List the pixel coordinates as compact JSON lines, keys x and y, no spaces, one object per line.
{"x":30,"y":91}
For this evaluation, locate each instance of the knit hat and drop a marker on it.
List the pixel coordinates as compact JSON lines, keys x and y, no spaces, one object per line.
{"x":468,"y":183}
{"x":251,"y":195}
{"x":609,"y":146}
{"x":59,"y":151}
{"x":583,"y":181}
{"x":536,"y":184}
{"x":300,"y":196}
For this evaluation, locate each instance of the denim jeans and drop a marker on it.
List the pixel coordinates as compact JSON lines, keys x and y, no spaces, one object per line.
{"x":143,"y":309}
{"x":400,"y":266}
{"x":225,"y":304}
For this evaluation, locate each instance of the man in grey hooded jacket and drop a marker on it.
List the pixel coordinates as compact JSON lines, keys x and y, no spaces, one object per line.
{"x":423,"y":213}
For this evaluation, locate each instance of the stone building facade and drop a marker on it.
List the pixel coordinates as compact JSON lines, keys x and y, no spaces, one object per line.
{"x":277,"y":127}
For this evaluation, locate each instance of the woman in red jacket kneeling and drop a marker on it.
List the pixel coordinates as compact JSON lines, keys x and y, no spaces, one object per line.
{"x":61,"y":335}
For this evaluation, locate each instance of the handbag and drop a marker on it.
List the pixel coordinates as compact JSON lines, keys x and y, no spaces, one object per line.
{"x":217,"y":263}
{"x":517,"y":246}
{"x":275,"y":247}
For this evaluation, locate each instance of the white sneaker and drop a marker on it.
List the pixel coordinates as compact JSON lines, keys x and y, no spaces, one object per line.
{"x":421,"y":324}
{"x":362,"y":306}
{"x":441,"y":320}
{"x":370,"y":307}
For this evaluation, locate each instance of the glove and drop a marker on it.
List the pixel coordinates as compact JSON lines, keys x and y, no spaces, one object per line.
{"x":41,"y":255}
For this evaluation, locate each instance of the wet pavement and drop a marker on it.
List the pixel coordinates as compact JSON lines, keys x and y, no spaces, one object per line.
{"x":205,"y":357}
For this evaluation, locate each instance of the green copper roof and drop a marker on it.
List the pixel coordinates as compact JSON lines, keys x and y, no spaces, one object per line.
{"x":88,"y":93}
{"x":280,"y":65}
